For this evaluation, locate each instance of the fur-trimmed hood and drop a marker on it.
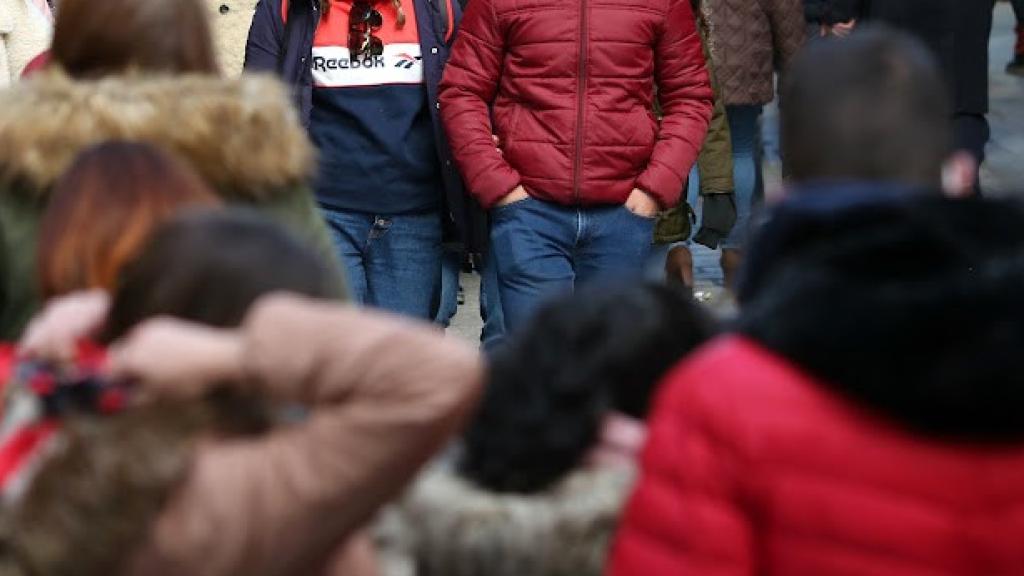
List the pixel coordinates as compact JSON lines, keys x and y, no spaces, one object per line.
{"x":242,"y":135}
{"x":447,"y":526}
{"x":911,"y":305}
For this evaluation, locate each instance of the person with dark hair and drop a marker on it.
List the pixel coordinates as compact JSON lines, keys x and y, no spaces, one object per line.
{"x":365,"y":74}
{"x":864,"y":416}
{"x":180,"y":276}
{"x":957,"y":32}
{"x":85,"y":45}
{"x":163,"y":478}
{"x":866,"y":110}
{"x":546,"y":463}
{"x":104,"y":208}
{"x":145,"y":72}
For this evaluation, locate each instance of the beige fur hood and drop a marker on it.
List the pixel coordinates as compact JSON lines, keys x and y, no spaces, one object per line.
{"x":445,"y":526}
{"x":241,"y":134}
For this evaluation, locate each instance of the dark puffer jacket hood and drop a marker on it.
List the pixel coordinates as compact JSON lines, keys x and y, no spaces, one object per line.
{"x":911,"y":305}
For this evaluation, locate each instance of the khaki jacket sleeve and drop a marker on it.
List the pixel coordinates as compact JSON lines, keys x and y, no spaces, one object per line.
{"x":385,"y":395}
{"x":714,"y":163}
{"x":715,"y":160}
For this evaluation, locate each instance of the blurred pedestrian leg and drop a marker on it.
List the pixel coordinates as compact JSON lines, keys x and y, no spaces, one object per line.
{"x":1016,"y":65}
{"x":744,"y":125}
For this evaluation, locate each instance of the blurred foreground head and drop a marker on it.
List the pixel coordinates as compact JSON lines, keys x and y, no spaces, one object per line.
{"x":601,"y":350}
{"x":95,"y":38}
{"x":870,"y":108}
{"x":210,"y":267}
{"x":92,"y":502}
{"x":104,"y":209}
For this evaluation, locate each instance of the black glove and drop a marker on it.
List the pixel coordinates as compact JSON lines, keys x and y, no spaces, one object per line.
{"x":718,"y":216}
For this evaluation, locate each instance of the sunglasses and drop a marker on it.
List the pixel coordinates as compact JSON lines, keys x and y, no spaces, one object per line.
{"x":363,"y":21}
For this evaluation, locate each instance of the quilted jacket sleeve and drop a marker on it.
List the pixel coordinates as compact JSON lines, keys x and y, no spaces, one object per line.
{"x":685,"y":516}
{"x":468,"y":88}
{"x":715,"y":161}
{"x":684,"y":91}
{"x":789,"y":29}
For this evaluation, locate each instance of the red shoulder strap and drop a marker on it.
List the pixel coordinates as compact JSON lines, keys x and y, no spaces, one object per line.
{"x":450,"y":25}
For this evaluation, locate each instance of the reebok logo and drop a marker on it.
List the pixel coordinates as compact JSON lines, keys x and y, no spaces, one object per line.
{"x":321,"y":64}
{"x":399,"y":64}
{"x":407,"y":61}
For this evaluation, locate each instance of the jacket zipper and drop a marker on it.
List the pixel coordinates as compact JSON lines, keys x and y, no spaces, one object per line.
{"x":581,"y":90}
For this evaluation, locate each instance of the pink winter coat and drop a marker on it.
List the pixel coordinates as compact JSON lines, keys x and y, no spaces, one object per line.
{"x":283,"y":504}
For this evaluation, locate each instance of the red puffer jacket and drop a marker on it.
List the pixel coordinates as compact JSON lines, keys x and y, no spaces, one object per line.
{"x":752,"y":467}
{"x":572,"y":88}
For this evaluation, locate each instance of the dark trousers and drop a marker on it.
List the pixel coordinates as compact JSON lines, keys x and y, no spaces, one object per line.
{"x":971,"y":133}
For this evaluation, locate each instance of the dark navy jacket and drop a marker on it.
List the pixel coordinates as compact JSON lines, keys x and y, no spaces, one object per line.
{"x":437,"y":20}
{"x":956,"y":30}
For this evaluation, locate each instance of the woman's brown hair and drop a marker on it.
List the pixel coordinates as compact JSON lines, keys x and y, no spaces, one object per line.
{"x":95,"y":38}
{"x":104,"y":209}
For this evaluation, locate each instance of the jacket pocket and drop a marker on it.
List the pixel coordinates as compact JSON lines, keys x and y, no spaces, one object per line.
{"x":647,"y":130}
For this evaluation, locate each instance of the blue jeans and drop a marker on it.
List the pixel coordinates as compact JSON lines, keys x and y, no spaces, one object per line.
{"x":448,"y":307}
{"x":543,"y":249}
{"x":393,"y":262}
{"x":491,"y":310}
{"x":490,"y":300}
{"x":744,"y":124}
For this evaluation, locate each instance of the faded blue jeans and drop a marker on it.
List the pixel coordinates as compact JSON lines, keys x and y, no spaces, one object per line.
{"x":393,"y":262}
{"x":543,"y":249}
{"x":745,"y":127}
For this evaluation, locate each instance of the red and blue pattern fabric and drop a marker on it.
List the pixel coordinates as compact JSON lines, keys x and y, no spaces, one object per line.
{"x":36,"y":396}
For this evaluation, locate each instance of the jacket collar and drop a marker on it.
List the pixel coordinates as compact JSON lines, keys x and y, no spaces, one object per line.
{"x":241,"y":135}
{"x":812,"y":208}
{"x":910,"y":305}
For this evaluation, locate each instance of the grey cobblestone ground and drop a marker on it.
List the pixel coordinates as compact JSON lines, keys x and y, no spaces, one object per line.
{"x":1003,"y":174}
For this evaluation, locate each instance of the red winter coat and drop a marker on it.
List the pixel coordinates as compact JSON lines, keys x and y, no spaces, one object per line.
{"x":572,"y":88}
{"x":755,"y":468}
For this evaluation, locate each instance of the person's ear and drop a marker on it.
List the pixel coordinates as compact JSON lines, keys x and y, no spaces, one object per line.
{"x":960,"y":175}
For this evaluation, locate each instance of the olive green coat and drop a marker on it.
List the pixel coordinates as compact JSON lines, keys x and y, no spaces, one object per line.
{"x":715,"y":161}
{"x":241,"y":135}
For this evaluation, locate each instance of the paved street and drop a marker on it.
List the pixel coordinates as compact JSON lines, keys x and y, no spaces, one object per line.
{"x":1002,"y":175}
{"x":1004,"y":172}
